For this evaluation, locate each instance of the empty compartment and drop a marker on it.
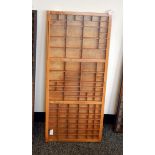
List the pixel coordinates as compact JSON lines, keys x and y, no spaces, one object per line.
{"x":90,"y":43}
{"x":93,"y":54}
{"x":57,"y":42}
{"x":73,"y":31}
{"x":73,"y":43}
{"x":90,"y":32}
{"x":56,"y":66}
{"x":57,"y":52}
{"x":57,"y":31}
{"x":73,"y":53}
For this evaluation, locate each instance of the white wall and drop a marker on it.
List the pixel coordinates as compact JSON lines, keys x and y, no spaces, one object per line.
{"x":115,"y":53}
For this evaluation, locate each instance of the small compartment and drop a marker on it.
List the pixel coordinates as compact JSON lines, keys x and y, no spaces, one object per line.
{"x":74,"y":121}
{"x":88,"y":77}
{"x":57,"y":42}
{"x":70,"y":17}
{"x":88,"y":66}
{"x":57,"y":31}
{"x":104,"y":18}
{"x":73,"y":43}
{"x":54,"y":75}
{"x":72,"y":131}
{"x":61,"y":17}
{"x":93,"y":54}
{"x":72,"y":126}
{"x":63,"y":136}
{"x":83,"y":116}
{"x":78,"y":18}
{"x":55,"y":96}
{"x":62,"y":120}
{"x":54,"y":16}
{"x":75,"y":106}
{"x":82,"y":132}
{"x":83,"y":111}
{"x":74,"y":66}
{"x":83,"y":126}
{"x":90,"y":43}
{"x":90,"y":32}
{"x":57,"y":52}
{"x":81,"y":121}
{"x":91,"y":24}
{"x":104,"y":25}
{"x":95,"y":18}
{"x":87,"y":18}
{"x":72,"y":136}
{"x":55,"y":65}
{"x":73,"y":31}
{"x":58,"y":23}
{"x":73,"y":53}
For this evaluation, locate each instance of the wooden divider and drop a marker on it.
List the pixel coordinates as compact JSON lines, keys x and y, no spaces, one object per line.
{"x":76,"y":72}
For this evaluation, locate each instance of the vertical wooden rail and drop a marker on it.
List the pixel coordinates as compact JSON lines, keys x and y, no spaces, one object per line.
{"x":105,"y":75}
{"x":99,"y":24}
{"x":65,"y":25}
{"x":94,"y":119}
{"x":65,"y":72}
{"x":57,"y":121}
{"x":81,"y":56}
{"x":67,"y":120}
{"x":95,"y":81}
{"x":87,"y":121}
{"x":78,"y":120}
{"x":47,"y":76}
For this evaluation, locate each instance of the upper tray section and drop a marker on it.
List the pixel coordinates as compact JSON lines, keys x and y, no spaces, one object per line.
{"x":78,"y":36}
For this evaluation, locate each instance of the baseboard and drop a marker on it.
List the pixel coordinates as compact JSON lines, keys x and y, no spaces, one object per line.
{"x":108,"y":118}
{"x":39,"y":116}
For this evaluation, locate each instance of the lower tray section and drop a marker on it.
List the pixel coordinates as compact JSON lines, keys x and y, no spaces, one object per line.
{"x":75,"y":122}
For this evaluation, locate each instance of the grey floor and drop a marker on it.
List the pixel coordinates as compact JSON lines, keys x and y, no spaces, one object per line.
{"x":112,"y":144}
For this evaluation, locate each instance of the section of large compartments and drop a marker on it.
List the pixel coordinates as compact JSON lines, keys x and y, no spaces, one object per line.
{"x":77,"y":60}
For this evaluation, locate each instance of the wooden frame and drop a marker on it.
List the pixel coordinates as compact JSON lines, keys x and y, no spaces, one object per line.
{"x":76,"y":74}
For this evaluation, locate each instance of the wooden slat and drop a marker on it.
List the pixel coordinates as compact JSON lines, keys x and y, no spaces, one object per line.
{"x":76,"y":60}
{"x":47,"y":78}
{"x":75,"y":102}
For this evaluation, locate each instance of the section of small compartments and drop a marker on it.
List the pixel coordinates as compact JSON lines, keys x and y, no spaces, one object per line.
{"x":74,"y":121}
{"x":76,"y":66}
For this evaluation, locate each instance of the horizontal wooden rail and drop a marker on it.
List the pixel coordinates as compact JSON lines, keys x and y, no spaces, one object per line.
{"x":79,"y":37}
{"x":73,"y":86}
{"x":76,"y":60}
{"x":82,"y":71}
{"x":81,"y":91}
{"x":80,"y":129}
{"x":75,"y":102}
{"x":75,"y":48}
{"x":76,"y":81}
